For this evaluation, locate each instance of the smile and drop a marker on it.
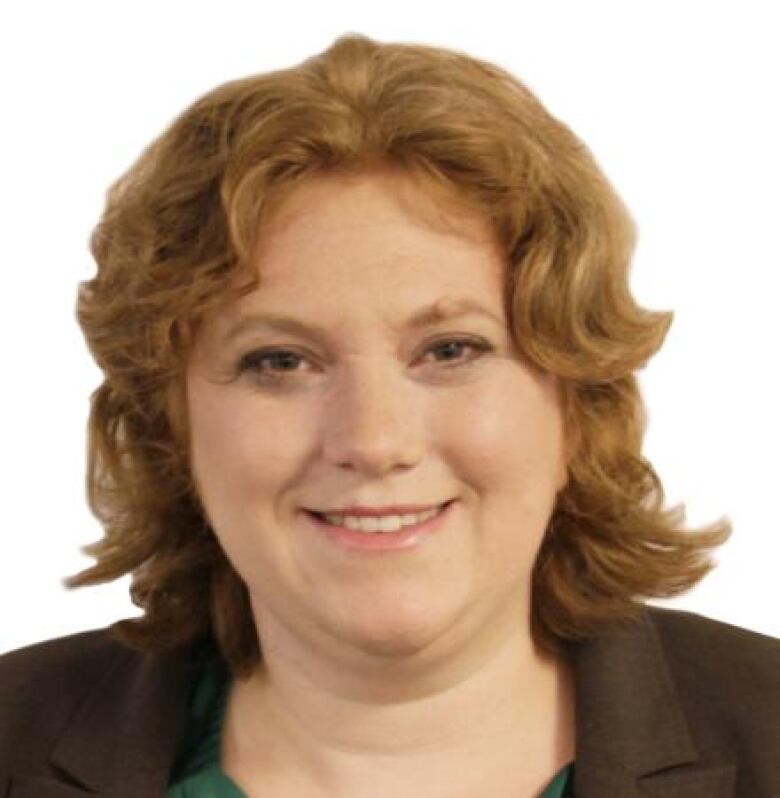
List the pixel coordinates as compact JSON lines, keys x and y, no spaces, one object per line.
{"x":382,"y":523}
{"x":381,"y":533}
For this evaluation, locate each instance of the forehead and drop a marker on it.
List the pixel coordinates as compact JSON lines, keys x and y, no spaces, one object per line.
{"x":374,"y":225}
{"x":352,"y":255}
{"x":417,"y":197}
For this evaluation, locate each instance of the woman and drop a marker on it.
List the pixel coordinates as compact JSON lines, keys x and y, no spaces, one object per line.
{"x":369,"y":443}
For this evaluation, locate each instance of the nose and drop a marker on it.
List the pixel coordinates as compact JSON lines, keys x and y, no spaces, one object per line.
{"x":373,"y":420}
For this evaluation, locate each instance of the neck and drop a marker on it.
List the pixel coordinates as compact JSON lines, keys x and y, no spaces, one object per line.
{"x":423,"y":724}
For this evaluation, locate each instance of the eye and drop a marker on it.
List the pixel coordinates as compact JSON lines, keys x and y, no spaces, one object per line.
{"x":276,"y":365}
{"x":454,"y":346}
{"x":254,"y":361}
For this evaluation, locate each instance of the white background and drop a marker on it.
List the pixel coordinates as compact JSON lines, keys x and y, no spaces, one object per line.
{"x":678,"y":102}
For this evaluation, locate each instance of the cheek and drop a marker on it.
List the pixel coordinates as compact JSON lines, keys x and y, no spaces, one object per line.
{"x":240,"y":451}
{"x":510,"y":433}
{"x":508,"y":455}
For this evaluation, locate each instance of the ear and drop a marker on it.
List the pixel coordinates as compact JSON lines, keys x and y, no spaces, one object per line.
{"x":570,"y":447}
{"x":572,"y":439}
{"x":572,"y":433}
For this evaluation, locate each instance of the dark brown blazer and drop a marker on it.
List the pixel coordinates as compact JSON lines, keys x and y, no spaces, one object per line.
{"x":675,"y":706}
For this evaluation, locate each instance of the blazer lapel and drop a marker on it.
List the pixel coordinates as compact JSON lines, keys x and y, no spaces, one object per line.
{"x":42,"y":787}
{"x":630,"y":727}
{"x":120,"y":744}
{"x":633,"y":740}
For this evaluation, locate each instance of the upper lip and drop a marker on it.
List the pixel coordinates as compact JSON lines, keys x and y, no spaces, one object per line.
{"x":394,"y":509}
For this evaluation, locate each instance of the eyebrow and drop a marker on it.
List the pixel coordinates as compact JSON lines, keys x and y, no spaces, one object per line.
{"x":439,"y":311}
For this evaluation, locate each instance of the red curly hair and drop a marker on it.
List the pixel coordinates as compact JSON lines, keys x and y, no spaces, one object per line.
{"x":178,"y":225}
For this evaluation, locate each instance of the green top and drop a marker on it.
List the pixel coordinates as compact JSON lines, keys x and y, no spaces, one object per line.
{"x":197,"y":772}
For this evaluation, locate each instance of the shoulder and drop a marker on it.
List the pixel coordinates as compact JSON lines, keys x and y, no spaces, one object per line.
{"x":80,"y":693}
{"x":725,"y":675}
{"x":67,"y":660}
{"x":700,"y":644}
{"x":42,"y":685}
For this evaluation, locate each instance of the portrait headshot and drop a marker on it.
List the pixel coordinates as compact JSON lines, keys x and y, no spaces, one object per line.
{"x":384,"y":498}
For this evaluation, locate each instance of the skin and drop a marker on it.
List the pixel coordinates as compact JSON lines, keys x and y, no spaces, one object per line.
{"x":413,"y":672}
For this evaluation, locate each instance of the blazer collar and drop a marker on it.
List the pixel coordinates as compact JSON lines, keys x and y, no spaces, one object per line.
{"x":631,"y":729}
{"x":122,"y":740}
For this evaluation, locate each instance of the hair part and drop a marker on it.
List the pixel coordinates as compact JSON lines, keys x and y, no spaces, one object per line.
{"x":181,"y":225}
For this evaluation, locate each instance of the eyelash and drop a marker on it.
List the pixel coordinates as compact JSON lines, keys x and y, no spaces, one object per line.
{"x":252,"y":360}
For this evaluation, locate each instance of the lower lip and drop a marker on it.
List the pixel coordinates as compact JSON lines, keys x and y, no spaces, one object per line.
{"x":405,"y":538}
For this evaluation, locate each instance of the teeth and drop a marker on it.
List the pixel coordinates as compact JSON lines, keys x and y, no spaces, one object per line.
{"x":384,"y":523}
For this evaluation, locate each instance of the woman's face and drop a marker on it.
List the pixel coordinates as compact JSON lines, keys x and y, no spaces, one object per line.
{"x":354,"y":405}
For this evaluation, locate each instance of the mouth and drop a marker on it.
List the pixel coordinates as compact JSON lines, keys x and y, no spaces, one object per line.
{"x":379,"y":522}
{"x":384,"y":533}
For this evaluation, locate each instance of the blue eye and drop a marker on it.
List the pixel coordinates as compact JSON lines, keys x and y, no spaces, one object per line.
{"x":459,"y":344}
{"x":277,"y":364}
{"x":254,"y":360}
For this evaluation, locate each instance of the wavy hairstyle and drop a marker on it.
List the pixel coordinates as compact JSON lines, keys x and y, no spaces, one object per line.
{"x":181,"y":222}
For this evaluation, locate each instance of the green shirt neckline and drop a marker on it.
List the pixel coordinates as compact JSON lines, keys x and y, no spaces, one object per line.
{"x":197,"y":772}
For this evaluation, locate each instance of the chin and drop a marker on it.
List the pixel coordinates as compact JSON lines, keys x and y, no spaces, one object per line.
{"x":400,"y":636}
